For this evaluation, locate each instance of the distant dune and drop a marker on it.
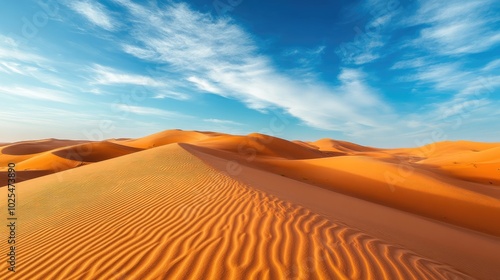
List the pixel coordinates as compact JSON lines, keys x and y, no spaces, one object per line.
{"x":205,"y":205}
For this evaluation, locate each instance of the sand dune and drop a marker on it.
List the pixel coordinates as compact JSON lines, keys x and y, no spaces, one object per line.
{"x":168,"y":137}
{"x":36,"y":147}
{"x":469,"y":161}
{"x":475,"y":253}
{"x":59,"y":159}
{"x":445,"y":199}
{"x":402,"y":186}
{"x":482,"y":166}
{"x":260,"y":145}
{"x":164,"y":214}
{"x":94,"y":152}
{"x":17,"y":152}
{"x":340,"y":146}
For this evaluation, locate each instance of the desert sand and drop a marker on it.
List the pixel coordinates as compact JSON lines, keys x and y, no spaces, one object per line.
{"x":203,"y":205}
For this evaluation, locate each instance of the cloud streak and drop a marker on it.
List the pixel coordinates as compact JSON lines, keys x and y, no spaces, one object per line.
{"x":37,"y":93}
{"x":108,"y":76}
{"x":219,"y":57}
{"x":222,"y":122}
{"x":147,"y":111}
{"x":95,"y":13}
{"x":457,"y":27}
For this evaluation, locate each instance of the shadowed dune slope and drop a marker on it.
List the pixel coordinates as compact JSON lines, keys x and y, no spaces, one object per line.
{"x":421,"y":192}
{"x":94,"y":152}
{"x":65,"y":158}
{"x":17,"y":152}
{"x":402,"y":186}
{"x":168,"y":137}
{"x":261,"y":145}
{"x":35,"y":147}
{"x":164,"y":214}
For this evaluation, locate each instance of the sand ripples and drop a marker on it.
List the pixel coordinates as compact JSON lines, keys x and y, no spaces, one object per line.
{"x":164,"y":214}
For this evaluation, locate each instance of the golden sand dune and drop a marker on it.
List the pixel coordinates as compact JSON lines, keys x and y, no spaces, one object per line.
{"x":453,"y":147}
{"x":404,"y":185}
{"x":60,"y":159}
{"x":459,"y":181}
{"x":17,"y":152}
{"x":340,"y":146}
{"x":420,"y":192}
{"x":165,"y":214}
{"x":482,"y":166}
{"x":260,"y":145}
{"x":472,"y":252}
{"x":36,"y":147}
{"x":167,"y":137}
{"x":469,"y":161}
{"x":94,"y":152}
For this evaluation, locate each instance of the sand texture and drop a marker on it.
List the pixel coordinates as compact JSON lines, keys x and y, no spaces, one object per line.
{"x":203,"y":205}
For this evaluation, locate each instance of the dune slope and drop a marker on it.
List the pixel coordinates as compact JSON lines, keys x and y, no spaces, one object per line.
{"x":164,"y":214}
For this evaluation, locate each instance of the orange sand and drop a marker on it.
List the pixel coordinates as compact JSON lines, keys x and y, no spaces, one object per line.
{"x":219,"y":206}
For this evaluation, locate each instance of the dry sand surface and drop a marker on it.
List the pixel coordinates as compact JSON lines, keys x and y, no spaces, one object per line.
{"x":219,"y":206}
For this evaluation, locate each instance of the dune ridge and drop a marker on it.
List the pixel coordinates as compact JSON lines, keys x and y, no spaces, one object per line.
{"x":164,"y":214}
{"x":458,"y":180}
{"x":446,"y":199}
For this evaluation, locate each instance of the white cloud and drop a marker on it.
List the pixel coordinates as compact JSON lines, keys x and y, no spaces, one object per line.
{"x":95,"y":13}
{"x":162,"y":94}
{"x":203,"y":84}
{"x":138,"y":52}
{"x":370,"y":38}
{"x":218,"y":56}
{"x":481,"y":85}
{"x":11,"y":51}
{"x":108,"y":76}
{"x":456,"y":27}
{"x":11,"y":67}
{"x":495,"y":64}
{"x":222,"y":122}
{"x":410,"y":63}
{"x":37,"y":93}
{"x":450,"y":29}
{"x":140,"y":110}
{"x":444,"y":76}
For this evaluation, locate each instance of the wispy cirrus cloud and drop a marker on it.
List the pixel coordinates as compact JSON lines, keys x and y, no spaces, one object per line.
{"x":370,"y":38}
{"x":18,"y":60}
{"x":492,"y":65}
{"x":37,"y":93}
{"x":95,"y":13}
{"x":148,"y":111}
{"x":443,"y":76}
{"x":108,"y":76}
{"x":447,"y":30}
{"x":457,"y":27}
{"x":219,"y":57}
{"x":204,"y":85}
{"x":157,"y":83}
{"x":222,"y":122}
{"x":10,"y":50}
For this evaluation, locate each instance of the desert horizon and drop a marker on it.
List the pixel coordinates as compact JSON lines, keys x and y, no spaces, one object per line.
{"x":207,"y":205}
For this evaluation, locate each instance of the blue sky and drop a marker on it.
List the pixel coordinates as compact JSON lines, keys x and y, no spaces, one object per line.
{"x":383,"y":73}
